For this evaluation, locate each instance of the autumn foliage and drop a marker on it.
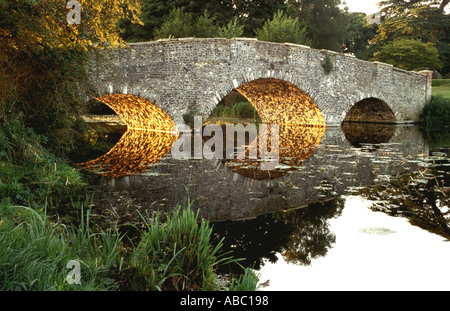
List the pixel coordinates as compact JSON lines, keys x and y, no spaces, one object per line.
{"x":42,"y":61}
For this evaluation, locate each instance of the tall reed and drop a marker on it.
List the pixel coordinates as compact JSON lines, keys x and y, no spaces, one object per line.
{"x":178,"y":254}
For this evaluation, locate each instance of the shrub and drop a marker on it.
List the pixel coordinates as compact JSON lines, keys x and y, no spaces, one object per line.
{"x":29,"y":174}
{"x":231,"y":30}
{"x":436,"y":114}
{"x":283,"y":28}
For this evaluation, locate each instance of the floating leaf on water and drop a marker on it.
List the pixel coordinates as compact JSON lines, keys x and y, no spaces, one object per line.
{"x":377,"y":231}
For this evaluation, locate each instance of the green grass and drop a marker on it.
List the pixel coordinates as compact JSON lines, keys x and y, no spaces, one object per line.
{"x":176,"y":254}
{"x":236,"y":110}
{"x":35,"y":253}
{"x":441,"y":88}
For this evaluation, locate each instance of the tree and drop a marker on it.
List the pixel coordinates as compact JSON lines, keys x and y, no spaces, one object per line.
{"x":416,"y":19}
{"x":251,"y":15}
{"x":409,"y":54}
{"x":254,"y":13}
{"x":231,"y":30}
{"x":283,"y":28}
{"x":205,"y":27}
{"x":42,"y":61}
{"x":179,"y":24}
{"x":44,"y":23}
{"x":326,"y":22}
{"x":359,"y":34}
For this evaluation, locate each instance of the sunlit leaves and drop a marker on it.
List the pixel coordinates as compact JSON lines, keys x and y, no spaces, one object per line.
{"x":44,"y":23}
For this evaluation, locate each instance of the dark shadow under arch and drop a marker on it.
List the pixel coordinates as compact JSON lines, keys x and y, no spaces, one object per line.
{"x":371,"y":110}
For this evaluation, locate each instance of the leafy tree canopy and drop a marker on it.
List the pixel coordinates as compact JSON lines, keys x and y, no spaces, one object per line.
{"x":416,"y":19}
{"x":409,"y":54}
{"x":326,"y":21}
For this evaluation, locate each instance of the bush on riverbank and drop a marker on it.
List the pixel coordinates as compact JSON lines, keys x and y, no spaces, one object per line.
{"x":435,"y":120}
{"x":436,"y":114}
{"x":29,"y":174}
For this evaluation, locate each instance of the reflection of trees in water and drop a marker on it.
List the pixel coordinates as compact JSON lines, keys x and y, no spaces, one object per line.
{"x":310,"y":237}
{"x":422,"y":197}
{"x":299,"y":235}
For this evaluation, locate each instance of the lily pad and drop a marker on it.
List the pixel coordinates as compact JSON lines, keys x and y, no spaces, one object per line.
{"x":377,"y":231}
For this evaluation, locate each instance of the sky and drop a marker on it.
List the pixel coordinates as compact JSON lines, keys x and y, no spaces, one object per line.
{"x":365,"y":6}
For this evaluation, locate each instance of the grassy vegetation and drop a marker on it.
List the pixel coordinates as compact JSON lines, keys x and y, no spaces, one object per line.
{"x":36,"y":245}
{"x":441,"y":87}
{"x":236,"y":110}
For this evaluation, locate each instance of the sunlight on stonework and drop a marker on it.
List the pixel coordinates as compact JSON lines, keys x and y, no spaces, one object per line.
{"x":280,"y":102}
{"x":149,"y":137}
{"x":138,"y":113}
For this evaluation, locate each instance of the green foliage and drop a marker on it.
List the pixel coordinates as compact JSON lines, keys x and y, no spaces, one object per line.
{"x":177,"y":254}
{"x":326,"y":22}
{"x":35,"y":253}
{"x":283,"y":28}
{"x":182,"y":24}
{"x":179,"y":24}
{"x":45,"y":86}
{"x":29,"y":174}
{"x":251,"y":15}
{"x":327,"y":64}
{"x":235,"y":110}
{"x":436,"y":114}
{"x":231,"y":30}
{"x":359,"y":33}
{"x":205,"y":26}
{"x":245,"y":282}
{"x":409,"y":54}
{"x":422,"y":20}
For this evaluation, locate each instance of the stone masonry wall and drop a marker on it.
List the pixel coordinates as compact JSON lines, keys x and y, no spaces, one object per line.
{"x":190,"y":76}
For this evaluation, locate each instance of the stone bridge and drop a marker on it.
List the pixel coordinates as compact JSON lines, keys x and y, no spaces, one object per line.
{"x":286,"y":83}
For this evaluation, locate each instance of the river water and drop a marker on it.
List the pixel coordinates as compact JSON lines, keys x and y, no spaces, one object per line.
{"x":356,"y":207}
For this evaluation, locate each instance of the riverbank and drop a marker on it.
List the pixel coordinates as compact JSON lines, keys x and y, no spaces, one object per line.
{"x":44,"y":247}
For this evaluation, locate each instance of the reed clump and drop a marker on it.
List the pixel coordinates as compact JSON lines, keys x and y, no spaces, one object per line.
{"x":178,"y":254}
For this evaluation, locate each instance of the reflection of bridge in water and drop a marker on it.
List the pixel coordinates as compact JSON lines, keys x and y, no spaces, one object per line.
{"x":309,"y":173}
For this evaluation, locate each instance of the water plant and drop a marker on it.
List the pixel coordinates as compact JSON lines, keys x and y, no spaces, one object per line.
{"x":178,"y":254}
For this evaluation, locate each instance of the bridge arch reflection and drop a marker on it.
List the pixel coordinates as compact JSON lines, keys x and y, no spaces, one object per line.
{"x":281,"y":102}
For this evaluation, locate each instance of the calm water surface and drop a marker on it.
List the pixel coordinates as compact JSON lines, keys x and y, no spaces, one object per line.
{"x":361,"y":207}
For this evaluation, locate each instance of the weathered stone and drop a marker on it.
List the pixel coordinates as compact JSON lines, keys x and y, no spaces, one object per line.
{"x":174,"y":74}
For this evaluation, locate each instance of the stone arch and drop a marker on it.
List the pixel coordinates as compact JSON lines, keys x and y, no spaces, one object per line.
{"x":371,"y":110}
{"x":277,"y":100}
{"x":138,"y":112}
{"x":149,"y":137}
